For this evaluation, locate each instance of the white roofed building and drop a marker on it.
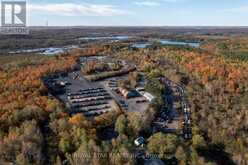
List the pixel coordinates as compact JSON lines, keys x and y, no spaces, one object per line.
{"x":148,"y":96}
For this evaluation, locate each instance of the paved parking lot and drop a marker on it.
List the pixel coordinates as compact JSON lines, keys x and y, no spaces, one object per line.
{"x":75,"y":82}
{"x":82,"y":96}
{"x":132,"y":105}
{"x":185,"y":119}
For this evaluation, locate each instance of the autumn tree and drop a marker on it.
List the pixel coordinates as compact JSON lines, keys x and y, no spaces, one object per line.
{"x":162,"y":144}
{"x":121,"y":124}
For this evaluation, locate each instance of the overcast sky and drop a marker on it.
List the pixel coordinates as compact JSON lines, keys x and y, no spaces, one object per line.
{"x":138,"y":12}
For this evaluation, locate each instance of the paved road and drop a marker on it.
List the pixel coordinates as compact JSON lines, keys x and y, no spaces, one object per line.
{"x":187,"y":131}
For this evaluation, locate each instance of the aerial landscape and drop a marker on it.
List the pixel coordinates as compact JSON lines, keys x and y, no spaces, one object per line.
{"x":124,"y":93}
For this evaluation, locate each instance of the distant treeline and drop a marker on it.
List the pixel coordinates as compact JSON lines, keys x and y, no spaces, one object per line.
{"x":60,"y":36}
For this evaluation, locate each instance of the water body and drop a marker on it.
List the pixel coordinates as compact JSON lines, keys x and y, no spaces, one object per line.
{"x":46,"y":51}
{"x":141,"y":45}
{"x":168,"y":42}
{"x":104,"y":38}
{"x":191,"y":44}
{"x":60,"y":50}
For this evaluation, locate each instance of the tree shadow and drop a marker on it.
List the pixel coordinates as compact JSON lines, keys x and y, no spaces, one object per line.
{"x":216,"y":153}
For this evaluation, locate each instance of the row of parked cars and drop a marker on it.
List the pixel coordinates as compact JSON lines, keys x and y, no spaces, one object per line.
{"x":90,"y":102}
{"x":87,"y":91}
{"x":93,"y":95}
{"x":187,"y":131}
{"x":92,"y":110}
{"x":123,"y":104}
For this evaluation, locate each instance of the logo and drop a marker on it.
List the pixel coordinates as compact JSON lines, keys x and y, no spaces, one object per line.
{"x":13,"y":16}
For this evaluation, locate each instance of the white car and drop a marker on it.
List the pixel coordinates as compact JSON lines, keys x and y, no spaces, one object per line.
{"x":64,"y":83}
{"x":139,"y":141}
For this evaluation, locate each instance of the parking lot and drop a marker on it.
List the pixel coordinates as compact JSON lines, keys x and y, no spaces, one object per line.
{"x":134,"y":104}
{"x":91,"y":98}
{"x":90,"y":102}
{"x":181,"y":115}
{"x":80,"y":95}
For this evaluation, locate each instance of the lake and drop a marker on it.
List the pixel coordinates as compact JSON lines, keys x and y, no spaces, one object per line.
{"x":59,"y":50}
{"x":141,"y":45}
{"x":46,"y":51}
{"x":168,"y":42}
{"x":105,"y":38}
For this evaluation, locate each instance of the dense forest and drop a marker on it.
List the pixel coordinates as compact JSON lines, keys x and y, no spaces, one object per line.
{"x":217,"y":92}
{"x":231,"y":48}
{"x":35,"y":128}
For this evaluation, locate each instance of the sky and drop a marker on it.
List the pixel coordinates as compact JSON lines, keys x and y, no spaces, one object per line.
{"x":138,"y":12}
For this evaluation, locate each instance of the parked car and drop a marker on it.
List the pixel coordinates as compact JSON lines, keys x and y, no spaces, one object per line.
{"x":139,"y":141}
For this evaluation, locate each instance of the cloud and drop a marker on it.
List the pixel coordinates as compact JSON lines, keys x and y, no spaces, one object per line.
{"x":152,"y":3}
{"x":147,"y":3}
{"x":71,"y":9}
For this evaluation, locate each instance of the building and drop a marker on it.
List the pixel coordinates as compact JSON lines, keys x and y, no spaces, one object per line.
{"x":148,"y":96}
{"x":140,"y":89}
{"x":128,"y":93}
